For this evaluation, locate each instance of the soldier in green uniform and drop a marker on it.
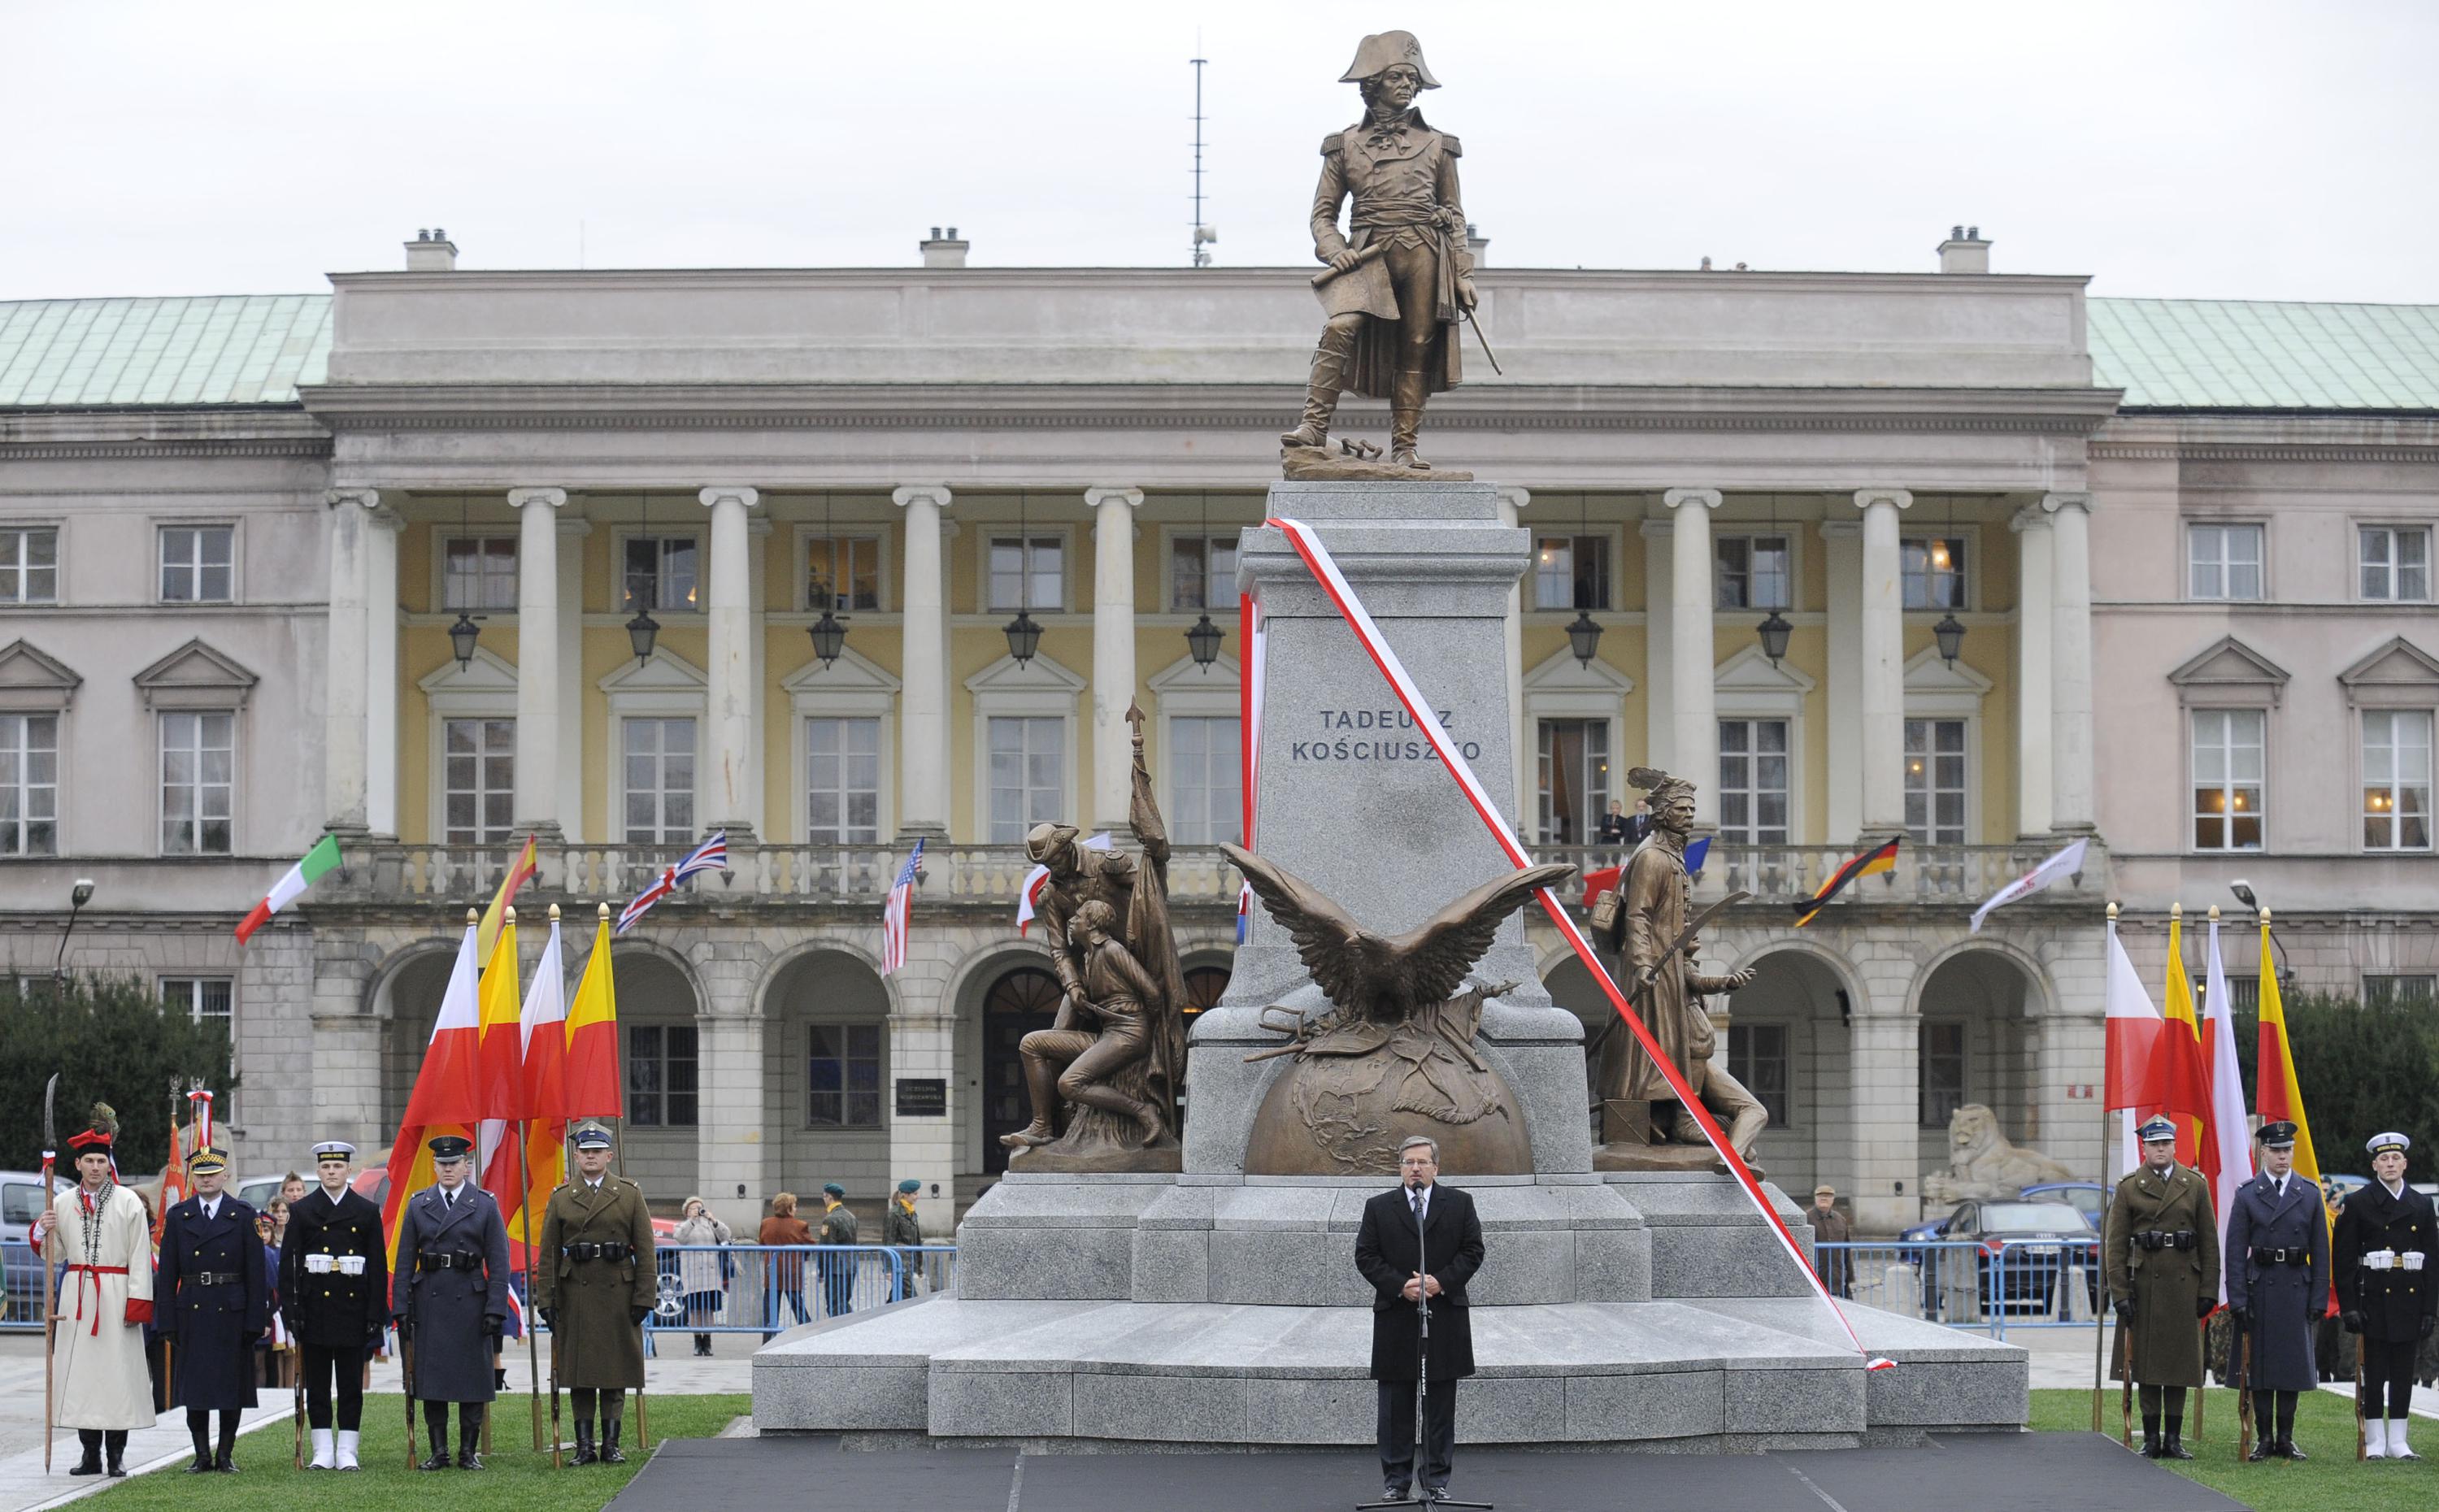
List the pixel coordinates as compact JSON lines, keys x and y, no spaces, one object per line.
{"x":2161,"y":1246}
{"x":901,"y":1228}
{"x":593,"y":1283}
{"x":837,"y":1269}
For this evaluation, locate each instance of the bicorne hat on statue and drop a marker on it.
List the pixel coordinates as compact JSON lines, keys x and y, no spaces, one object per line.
{"x":1384,"y":50}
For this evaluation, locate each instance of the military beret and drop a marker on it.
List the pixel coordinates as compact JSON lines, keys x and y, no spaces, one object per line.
{"x":451,"y":1146}
{"x":334,"y":1150}
{"x":2388,"y":1143}
{"x":592,"y":1137}
{"x":2280,"y":1135}
{"x":833,"y":1189}
{"x":2155,"y":1130}
{"x":910,"y":1186}
{"x":203,"y":1162}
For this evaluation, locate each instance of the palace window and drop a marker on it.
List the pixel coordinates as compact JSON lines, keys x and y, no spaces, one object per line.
{"x":195,"y":565}
{"x":1753,"y":782}
{"x":1201,"y":572}
{"x":2395,"y":562}
{"x":2388,"y":990}
{"x":478,"y":572}
{"x":29,"y":784}
{"x":1934,"y":781}
{"x":1757,"y":1057}
{"x":660,"y":1075}
{"x":479,"y":771}
{"x":1941,"y":1075}
{"x":1574,"y":781}
{"x":1206,"y":796}
{"x":198,"y":783}
{"x":1028,"y":774}
{"x":1027,"y":572}
{"x":841,"y":573}
{"x":842,"y":1076}
{"x":2396,"y":779}
{"x":203,"y":998}
{"x":1571,"y":572}
{"x":29,"y":566}
{"x":842,"y":782}
{"x":2223,"y":561}
{"x":659,"y":773}
{"x":1753,"y":572}
{"x":660,"y":573}
{"x":2227,"y":761}
{"x":1931,"y":571}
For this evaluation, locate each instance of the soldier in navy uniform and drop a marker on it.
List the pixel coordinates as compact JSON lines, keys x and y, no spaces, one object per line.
{"x":449,"y":1300}
{"x":2277,"y":1284}
{"x":213,"y":1301}
{"x":335,"y":1296}
{"x":2387,"y":1254}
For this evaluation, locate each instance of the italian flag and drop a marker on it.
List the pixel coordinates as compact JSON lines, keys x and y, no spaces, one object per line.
{"x":324,"y":856}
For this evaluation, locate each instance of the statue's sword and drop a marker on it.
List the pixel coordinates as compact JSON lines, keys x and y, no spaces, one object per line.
{"x":1644,"y":979}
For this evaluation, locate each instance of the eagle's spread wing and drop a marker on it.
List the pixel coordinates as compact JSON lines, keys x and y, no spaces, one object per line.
{"x":1432,"y":962}
{"x":1333,"y":947}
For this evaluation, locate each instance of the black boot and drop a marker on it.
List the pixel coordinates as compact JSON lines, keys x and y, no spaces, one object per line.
{"x":90,"y":1438}
{"x":114,"y":1444}
{"x":584,"y":1454}
{"x":1329,"y":380}
{"x":2287,"y":1427}
{"x":2150,"y":1436}
{"x":609,"y":1426}
{"x":436,"y":1426}
{"x":470,"y":1436}
{"x":221,"y":1457}
{"x":2173,"y":1446}
{"x":198,"y":1429}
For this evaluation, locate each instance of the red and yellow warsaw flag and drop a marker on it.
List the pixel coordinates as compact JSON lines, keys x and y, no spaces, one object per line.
{"x":448,"y":1090}
{"x":2273,"y":1063}
{"x":500,"y":1071}
{"x":2185,"y":1091}
{"x":595,"y":1088}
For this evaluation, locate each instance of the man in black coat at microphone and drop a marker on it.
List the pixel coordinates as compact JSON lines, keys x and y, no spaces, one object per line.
{"x":1421,"y":1239}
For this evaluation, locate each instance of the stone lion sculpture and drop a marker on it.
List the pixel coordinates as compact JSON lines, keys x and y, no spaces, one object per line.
{"x":1982,"y":1165}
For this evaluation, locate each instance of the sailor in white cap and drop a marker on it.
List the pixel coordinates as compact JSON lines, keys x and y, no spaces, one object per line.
{"x":334,"y":1297}
{"x":2387,"y":1264}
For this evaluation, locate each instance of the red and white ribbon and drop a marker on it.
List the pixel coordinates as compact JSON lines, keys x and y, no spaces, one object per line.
{"x":1250,"y":635}
{"x":1325,"y":570}
{"x":199,"y":1108}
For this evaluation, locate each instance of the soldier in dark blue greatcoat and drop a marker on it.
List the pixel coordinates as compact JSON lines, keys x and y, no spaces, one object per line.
{"x":450,"y":1298}
{"x":212,"y":1301}
{"x":2277,"y":1285}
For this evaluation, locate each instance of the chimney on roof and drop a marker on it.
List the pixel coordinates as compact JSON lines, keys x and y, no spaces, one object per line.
{"x":1965,"y":251}
{"x":944,"y":251}
{"x":432,"y":252}
{"x":1478,"y":245}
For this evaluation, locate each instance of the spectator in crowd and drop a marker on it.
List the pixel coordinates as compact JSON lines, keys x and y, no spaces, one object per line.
{"x":1612,"y":825}
{"x":783,"y":1275}
{"x":703,"y":1275}
{"x":291,"y":1189}
{"x":837,"y":1270}
{"x":270,"y":1349}
{"x":1830,"y":1226}
{"x":276,"y":1210}
{"x":901,"y":1229}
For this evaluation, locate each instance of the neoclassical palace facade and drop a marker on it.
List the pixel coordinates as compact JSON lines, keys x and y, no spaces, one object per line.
{"x":2035,"y":567}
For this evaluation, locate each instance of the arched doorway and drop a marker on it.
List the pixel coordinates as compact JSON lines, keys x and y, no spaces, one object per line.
{"x":411,"y":999}
{"x":1788,"y":1043}
{"x":662,"y":1053}
{"x":1022,"y":1000}
{"x":1977,"y":1045}
{"x":827,"y":1064}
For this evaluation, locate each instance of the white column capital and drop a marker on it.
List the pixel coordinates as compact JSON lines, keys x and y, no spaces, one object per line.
{"x":1514,"y":495}
{"x":552,"y":498}
{"x":1841,"y":529}
{"x":368,"y":498}
{"x":934,"y":494}
{"x":1707,"y":498}
{"x":1865,"y":498}
{"x":714,"y":497}
{"x":1097,"y":496}
{"x":2031,"y":517}
{"x":2053,"y":503}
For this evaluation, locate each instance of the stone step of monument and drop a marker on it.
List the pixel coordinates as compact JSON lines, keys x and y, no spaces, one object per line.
{"x":1734,"y":1375}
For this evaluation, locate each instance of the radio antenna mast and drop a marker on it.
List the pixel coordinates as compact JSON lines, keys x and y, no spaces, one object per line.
{"x":1203,"y":234}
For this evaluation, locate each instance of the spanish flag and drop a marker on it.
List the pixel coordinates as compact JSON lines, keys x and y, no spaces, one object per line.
{"x":2273,"y":1071}
{"x":1869,"y":864}
{"x":596,"y":1087}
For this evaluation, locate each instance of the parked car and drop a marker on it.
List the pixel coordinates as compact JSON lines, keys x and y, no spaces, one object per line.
{"x":2089,"y":1199}
{"x":2029,"y":1245}
{"x":21,"y":1202}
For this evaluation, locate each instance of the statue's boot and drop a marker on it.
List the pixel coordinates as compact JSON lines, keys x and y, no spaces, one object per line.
{"x":1148,"y":1119}
{"x":1042,"y":1085}
{"x":1035,"y":1132}
{"x":1330,"y":363}
{"x":1406,"y":417}
{"x":1746,"y":1132}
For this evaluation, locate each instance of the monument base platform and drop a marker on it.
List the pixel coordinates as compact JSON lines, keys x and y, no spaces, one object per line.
{"x":1085,"y":1376}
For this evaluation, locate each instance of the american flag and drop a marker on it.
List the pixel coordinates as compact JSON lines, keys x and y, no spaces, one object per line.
{"x":712,"y":855}
{"x":893,"y":918}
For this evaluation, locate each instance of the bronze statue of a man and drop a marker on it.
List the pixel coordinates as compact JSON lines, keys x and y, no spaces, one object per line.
{"x":1401,"y":275}
{"x":1668,"y":992}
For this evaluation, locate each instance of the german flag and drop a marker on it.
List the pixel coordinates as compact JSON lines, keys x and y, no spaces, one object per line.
{"x":1866,"y":864}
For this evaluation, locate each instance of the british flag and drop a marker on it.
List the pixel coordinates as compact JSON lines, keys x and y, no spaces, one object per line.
{"x":712,"y":855}
{"x":893,"y":918}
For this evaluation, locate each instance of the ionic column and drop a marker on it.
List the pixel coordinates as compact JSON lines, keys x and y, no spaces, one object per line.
{"x":1694,"y":658}
{"x":727,"y":782}
{"x":923,"y":696}
{"x":538,"y":680}
{"x":2035,"y":588}
{"x":2070,"y":797}
{"x":1881,"y":644}
{"x":571,"y":687}
{"x":1842,"y":548}
{"x":380,"y":670}
{"x":1512,"y":501}
{"x":344,"y":734}
{"x":1113,"y":651}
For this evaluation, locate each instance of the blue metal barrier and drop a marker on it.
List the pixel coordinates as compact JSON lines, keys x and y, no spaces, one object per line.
{"x":758,"y":1288}
{"x":23,"y":1312}
{"x":1993,"y":1285}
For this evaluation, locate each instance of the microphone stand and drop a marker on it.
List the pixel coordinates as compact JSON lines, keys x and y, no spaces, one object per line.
{"x":1417,"y":1494}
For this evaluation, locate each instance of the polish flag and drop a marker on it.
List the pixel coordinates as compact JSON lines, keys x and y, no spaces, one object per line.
{"x":500,"y":1066}
{"x":2132,"y":1078}
{"x":447,"y":1095}
{"x":2184,"y":1084}
{"x":2227,"y":1149}
{"x":542,"y":1026}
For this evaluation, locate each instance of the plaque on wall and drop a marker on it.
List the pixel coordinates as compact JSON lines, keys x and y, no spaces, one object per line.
{"x":922,"y":1097}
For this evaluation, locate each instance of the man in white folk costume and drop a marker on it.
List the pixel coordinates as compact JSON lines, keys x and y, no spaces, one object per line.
{"x":96,"y":1230}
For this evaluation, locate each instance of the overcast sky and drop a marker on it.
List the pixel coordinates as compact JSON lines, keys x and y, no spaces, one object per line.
{"x":2233,"y":149}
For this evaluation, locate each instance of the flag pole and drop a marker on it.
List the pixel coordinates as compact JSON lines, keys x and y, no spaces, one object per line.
{"x":524,"y":1215}
{"x":2103,"y":1314}
{"x":643,"y":1433}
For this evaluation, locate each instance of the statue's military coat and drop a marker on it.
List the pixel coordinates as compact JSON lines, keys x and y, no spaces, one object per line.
{"x":2280,"y":1301}
{"x":330,"y":1308}
{"x":452,"y":1312}
{"x":2165,"y":1285}
{"x":595,"y":1302}
{"x":1651,"y":909}
{"x":97,"y":1353}
{"x":2397,"y":1303}
{"x":1403,"y":181}
{"x":211,"y":1326}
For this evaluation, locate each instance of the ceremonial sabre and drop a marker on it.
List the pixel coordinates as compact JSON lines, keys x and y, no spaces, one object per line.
{"x":1670,"y":954}
{"x":42,"y":1258}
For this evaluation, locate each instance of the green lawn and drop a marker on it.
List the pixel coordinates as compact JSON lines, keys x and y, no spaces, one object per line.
{"x":2330,"y":1481}
{"x":515,"y":1479}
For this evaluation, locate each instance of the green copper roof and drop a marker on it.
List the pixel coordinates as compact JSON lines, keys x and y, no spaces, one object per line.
{"x":220,"y":350}
{"x":2239,"y":354}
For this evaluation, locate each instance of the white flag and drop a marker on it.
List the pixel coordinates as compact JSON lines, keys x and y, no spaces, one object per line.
{"x":2065,"y":863}
{"x":2230,"y":1132}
